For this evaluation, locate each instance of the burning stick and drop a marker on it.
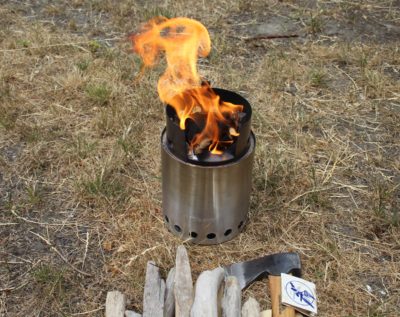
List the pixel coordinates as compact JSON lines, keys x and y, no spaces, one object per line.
{"x":205,"y":143}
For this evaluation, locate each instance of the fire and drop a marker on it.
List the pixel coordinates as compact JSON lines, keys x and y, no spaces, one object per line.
{"x":184,"y":40}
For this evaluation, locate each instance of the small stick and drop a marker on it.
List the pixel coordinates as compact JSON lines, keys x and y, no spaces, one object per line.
{"x":310,"y":192}
{"x":132,"y":259}
{"x":86,"y":248}
{"x":8,"y":289}
{"x":348,"y":76}
{"x":18,"y":257}
{"x":11,"y":262}
{"x":88,"y":312}
{"x":46,"y":223}
{"x":59,"y":253}
{"x":59,"y":44}
{"x":271,"y":37}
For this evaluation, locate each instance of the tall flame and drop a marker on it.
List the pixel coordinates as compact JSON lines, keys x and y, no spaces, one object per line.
{"x":184,"y":40}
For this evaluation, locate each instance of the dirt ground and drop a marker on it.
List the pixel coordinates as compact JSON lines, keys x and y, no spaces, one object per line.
{"x":80,"y":191}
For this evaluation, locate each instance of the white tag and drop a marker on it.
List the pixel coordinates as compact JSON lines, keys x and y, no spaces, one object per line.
{"x":298,"y":293}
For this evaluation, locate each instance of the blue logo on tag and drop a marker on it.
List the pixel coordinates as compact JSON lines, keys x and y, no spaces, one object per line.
{"x":300,"y":293}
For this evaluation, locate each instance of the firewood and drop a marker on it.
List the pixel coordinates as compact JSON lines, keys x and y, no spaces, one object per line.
{"x":206,"y":295}
{"x":154,"y":292}
{"x":233,"y":132}
{"x":202,"y":146}
{"x":131,"y":313}
{"x":266,"y":313}
{"x":231,"y":302}
{"x":169,"y":305}
{"x":183,"y":285}
{"x":251,"y":308}
{"x":115,"y":304}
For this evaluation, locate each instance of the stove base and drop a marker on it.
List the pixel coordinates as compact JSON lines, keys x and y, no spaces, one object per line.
{"x":206,"y":204}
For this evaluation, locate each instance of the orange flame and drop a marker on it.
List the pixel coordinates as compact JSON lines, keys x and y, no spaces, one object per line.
{"x":184,"y":40}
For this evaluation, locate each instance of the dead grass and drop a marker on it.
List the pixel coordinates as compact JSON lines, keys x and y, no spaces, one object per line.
{"x":80,"y":162}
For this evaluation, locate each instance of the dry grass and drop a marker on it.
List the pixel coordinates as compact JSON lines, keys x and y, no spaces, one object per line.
{"x":80,"y":162}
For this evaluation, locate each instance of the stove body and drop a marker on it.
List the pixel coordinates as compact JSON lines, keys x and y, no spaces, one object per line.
{"x":206,"y":200}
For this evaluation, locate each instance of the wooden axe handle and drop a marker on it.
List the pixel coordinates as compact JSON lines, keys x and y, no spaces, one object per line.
{"x":275,"y":291}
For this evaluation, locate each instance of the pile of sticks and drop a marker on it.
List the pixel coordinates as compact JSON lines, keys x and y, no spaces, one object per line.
{"x":214,"y":294}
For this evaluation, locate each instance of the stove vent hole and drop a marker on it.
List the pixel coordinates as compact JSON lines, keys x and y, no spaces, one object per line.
{"x":240,"y":225}
{"x":227,"y":232}
{"x":177,"y":228}
{"x":193,"y":234}
{"x":166,"y":219}
{"x":211,"y":236}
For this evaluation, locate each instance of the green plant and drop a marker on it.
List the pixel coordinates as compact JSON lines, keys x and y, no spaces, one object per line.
{"x":103,"y":184}
{"x":47,"y":275}
{"x":318,"y":78}
{"x":157,"y":12}
{"x":34,"y":196}
{"x":385,"y":202}
{"x":83,"y":65}
{"x":131,"y":148}
{"x":315,"y":24}
{"x":23,"y":43}
{"x":99,"y":93}
{"x":83,"y":146}
{"x":395,"y":216}
{"x":5,"y":91}
{"x":94,"y":46}
{"x":7,"y":119}
{"x":31,"y":134}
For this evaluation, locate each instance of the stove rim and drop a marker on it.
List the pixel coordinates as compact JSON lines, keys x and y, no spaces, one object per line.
{"x":233,"y":94}
{"x":218,"y":164}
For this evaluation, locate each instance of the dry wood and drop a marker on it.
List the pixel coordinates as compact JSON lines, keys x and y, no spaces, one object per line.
{"x":154,"y":292}
{"x":231,"y":302}
{"x":131,"y":313}
{"x":206,"y":295}
{"x":115,"y":304}
{"x":183,"y":286}
{"x":169,"y":305}
{"x":266,"y":313}
{"x":251,"y":308}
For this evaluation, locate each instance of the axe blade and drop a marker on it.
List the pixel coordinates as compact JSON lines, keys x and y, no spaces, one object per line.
{"x":274,"y":264}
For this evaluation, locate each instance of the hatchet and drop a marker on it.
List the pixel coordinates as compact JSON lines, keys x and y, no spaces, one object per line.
{"x":272,"y":266}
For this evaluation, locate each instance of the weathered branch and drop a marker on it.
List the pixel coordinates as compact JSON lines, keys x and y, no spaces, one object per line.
{"x":183,"y":286}
{"x":251,"y":308}
{"x":115,"y":304}
{"x":231,"y":302}
{"x":169,"y":305}
{"x":154,"y":292}
{"x":206,"y":295}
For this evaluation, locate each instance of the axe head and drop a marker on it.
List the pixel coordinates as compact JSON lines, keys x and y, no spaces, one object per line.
{"x":273,"y":264}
